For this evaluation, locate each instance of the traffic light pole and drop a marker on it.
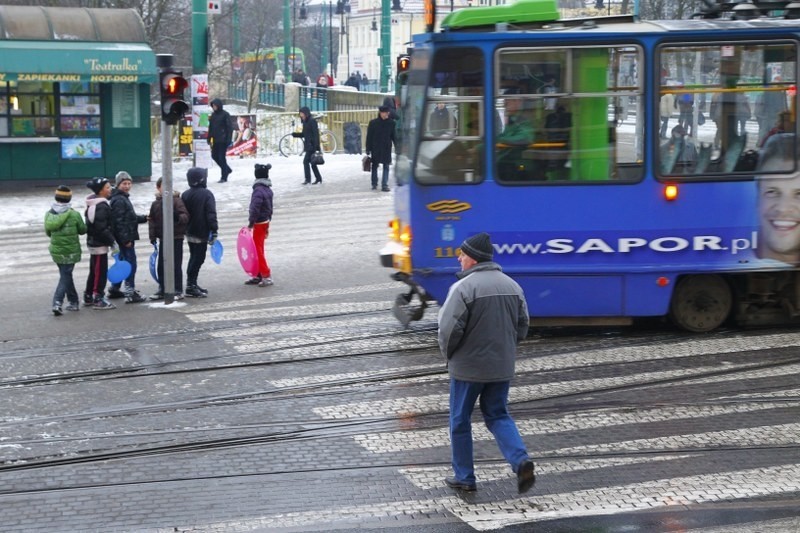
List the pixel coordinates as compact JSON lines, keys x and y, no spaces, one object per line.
{"x":164,"y":62}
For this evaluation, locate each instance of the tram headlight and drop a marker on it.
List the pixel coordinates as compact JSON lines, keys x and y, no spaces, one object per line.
{"x":394,"y":229}
{"x":405,"y":236}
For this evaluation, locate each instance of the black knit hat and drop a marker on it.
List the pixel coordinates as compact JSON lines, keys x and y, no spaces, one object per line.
{"x":96,"y":184}
{"x":63,"y":194}
{"x":262,"y":171}
{"x":479,"y":247}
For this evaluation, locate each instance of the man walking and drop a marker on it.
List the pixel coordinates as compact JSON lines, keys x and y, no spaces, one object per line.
{"x":380,"y":138}
{"x":480,"y":324}
{"x":220,"y":135}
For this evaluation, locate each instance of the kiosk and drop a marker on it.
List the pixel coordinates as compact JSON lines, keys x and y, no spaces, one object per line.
{"x":74,"y":93}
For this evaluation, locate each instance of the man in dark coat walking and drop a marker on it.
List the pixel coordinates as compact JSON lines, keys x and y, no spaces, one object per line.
{"x":220,"y":135}
{"x":380,"y":138}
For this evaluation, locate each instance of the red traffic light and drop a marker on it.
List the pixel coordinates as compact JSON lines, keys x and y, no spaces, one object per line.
{"x":403,"y":63}
{"x":173,"y":106}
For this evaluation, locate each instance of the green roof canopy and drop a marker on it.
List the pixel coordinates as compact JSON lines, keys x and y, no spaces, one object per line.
{"x":53,"y":44}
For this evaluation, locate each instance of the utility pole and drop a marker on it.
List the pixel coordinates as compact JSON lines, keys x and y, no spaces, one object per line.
{"x":386,"y":45}
{"x":199,"y":37}
{"x":286,"y":37}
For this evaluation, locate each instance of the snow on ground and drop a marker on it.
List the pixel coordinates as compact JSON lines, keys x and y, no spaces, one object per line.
{"x":25,"y":206}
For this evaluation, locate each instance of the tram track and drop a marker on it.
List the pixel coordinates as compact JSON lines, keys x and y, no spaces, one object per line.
{"x":318,"y":429}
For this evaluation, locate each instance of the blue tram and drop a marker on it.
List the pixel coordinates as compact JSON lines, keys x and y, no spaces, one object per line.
{"x":623,"y":168}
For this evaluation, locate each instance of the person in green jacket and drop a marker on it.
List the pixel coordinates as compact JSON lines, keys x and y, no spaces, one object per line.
{"x":64,"y":226}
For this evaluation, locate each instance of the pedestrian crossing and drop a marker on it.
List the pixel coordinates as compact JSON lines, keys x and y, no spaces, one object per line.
{"x":664,"y":454}
{"x":614,"y":428}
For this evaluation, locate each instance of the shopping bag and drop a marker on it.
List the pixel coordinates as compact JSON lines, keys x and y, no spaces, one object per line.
{"x":216,"y":251}
{"x":246,"y":250}
{"x":120,"y":271}
{"x":317,"y":158}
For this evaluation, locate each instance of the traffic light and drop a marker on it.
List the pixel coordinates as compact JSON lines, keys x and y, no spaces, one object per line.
{"x":403,"y":63}
{"x":173,"y":106}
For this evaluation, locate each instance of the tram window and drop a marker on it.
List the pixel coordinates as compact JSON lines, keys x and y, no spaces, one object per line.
{"x":719,"y":104}
{"x":568,"y":115}
{"x":451,"y":144}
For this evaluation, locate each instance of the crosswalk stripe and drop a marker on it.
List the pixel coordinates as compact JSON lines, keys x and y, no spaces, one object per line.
{"x":535,"y":507}
{"x":439,"y":402}
{"x":400,"y":441}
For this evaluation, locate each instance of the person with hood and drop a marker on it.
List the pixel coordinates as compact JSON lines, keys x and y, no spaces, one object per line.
{"x":220,"y":135}
{"x":202,"y":228}
{"x":99,"y":240}
{"x":125,"y":223}
{"x":64,"y":226}
{"x":481,"y":322}
{"x":260,"y":217}
{"x":180,"y":217}
{"x":311,"y":144}
{"x":380,"y":138}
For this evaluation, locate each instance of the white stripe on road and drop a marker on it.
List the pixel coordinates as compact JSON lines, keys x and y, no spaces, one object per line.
{"x":402,"y":441}
{"x":665,"y":493}
{"x":432,"y":403}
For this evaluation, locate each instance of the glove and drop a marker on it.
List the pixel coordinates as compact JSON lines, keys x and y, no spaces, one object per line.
{"x":154,"y":241}
{"x":212,"y":238}
{"x":296,"y":134}
{"x":250,"y":226}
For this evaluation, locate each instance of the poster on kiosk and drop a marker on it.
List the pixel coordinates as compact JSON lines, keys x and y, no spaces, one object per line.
{"x":200,"y":113}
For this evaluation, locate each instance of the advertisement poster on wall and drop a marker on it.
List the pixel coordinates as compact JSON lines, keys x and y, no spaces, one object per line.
{"x":245,"y":139}
{"x":199,"y":122}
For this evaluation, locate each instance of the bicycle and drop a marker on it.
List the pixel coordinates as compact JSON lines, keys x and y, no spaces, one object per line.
{"x":291,"y":145}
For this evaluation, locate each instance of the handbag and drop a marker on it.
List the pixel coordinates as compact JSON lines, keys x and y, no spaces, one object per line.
{"x":317,"y":158}
{"x":366,"y":163}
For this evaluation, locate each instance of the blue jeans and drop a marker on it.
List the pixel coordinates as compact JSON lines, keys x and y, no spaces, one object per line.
{"x":129,"y":255}
{"x":384,"y":176}
{"x":494,"y":407}
{"x":66,"y":285}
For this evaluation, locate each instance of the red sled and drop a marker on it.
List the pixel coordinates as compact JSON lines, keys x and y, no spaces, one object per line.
{"x":246,"y":250}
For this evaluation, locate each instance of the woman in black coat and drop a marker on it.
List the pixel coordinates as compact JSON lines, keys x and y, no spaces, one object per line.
{"x":311,"y":144}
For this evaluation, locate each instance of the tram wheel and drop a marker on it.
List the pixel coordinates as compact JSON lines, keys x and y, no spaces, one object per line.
{"x":701,"y":303}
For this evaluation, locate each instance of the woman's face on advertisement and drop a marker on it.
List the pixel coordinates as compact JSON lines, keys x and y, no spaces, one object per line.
{"x":779,"y":218}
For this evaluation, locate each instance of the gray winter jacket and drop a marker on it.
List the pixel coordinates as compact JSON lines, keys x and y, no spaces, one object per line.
{"x":480,"y":324}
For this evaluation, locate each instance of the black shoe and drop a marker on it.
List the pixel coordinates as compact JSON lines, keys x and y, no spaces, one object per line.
{"x":374,"y":187}
{"x":385,"y":189}
{"x":253,"y":281}
{"x":57,"y":310}
{"x":157,"y":296}
{"x":318,"y":181}
{"x":460,"y":485}
{"x":201,"y":289}
{"x":525,"y":476}
{"x":222,"y":181}
{"x":88,"y":299}
{"x":306,"y":183}
{"x":115,"y":293}
{"x":195,"y":292}
{"x":135,"y":297}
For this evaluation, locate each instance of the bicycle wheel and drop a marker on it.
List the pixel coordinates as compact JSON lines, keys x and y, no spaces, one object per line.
{"x":328,"y":142}
{"x":289,"y":145}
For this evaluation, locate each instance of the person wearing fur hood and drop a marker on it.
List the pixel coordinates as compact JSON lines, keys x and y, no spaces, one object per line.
{"x":99,"y":240}
{"x":258,"y":221}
